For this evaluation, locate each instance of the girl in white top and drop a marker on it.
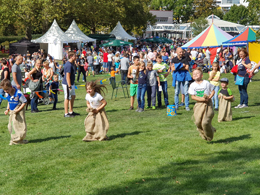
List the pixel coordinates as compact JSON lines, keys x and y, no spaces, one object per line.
{"x":96,"y":123}
{"x":214,"y":77}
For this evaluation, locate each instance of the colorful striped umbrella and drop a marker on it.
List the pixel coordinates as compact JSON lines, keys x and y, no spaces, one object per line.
{"x":213,"y":36}
{"x":248,"y":35}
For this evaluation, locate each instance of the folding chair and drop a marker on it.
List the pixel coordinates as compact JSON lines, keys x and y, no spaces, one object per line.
{"x":116,"y":85}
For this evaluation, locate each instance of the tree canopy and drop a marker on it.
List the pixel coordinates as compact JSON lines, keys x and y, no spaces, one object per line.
{"x":36,"y":16}
{"x":199,"y":25}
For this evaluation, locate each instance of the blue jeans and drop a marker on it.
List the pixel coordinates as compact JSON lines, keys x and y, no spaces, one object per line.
{"x":215,"y":97}
{"x":55,"y":96}
{"x":243,"y":91}
{"x":109,"y":65}
{"x":185,"y":92}
{"x":140,"y":95}
{"x":165,"y":94}
{"x":34,"y":102}
{"x":1,"y":93}
{"x":151,"y":95}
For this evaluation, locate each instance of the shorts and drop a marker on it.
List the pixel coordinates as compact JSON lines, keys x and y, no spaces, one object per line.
{"x":133,"y":89}
{"x":104,"y":64}
{"x":68,"y":93}
{"x":91,"y":67}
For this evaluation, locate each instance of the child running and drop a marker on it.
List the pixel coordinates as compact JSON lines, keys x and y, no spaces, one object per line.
{"x":202,"y":92}
{"x":225,"y":98}
{"x":96,"y":123}
{"x":214,"y":76}
{"x":16,"y":106}
{"x":142,"y":85}
{"x":152,"y":76}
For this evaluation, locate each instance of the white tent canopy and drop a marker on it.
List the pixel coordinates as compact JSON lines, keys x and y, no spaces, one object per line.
{"x":75,"y":33}
{"x":121,"y":34}
{"x":55,"y":38}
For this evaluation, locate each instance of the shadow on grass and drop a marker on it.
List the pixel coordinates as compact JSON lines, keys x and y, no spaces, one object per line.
{"x":243,"y":117}
{"x":48,"y":138}
{"x":190,"y":177}
{"x":122,"y":135}
{"x":231,"y":139}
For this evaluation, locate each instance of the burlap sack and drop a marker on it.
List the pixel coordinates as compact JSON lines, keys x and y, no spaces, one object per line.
{"x":225,"y":110}
{"x":96,"y":126}
{"x":17,"y":127}
{"x":203,"y":114}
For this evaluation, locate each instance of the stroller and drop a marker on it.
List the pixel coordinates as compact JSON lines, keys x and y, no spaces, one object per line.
{"x":200,"y":63}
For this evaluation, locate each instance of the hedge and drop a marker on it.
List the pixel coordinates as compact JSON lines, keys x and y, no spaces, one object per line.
{"x":18,"y":38}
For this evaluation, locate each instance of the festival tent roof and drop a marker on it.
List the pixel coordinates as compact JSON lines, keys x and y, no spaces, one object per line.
{"x":54,"y":35}
{"x":116,"y":43}
{"x":75,"y":33}
{"x":210,"y":37}
{"x":248,"y":35}
{"x":121,"y":34}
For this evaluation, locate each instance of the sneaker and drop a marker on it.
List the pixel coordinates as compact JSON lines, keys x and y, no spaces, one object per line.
{"x":140,"y":110}
{"x":69,"y":115}
{"x":153,"y":107}
{"x":181,"y":104}
{"x":54,"y":108}
{"x":147,"y":107}
{"x":187,"y":109}
{"x":74,"y":113}
{"x":33,"y":111}
{"x":238,"y":106}
{"x":243,"y":106}
{"x":137,"y":110}
{"x":131,"y":108}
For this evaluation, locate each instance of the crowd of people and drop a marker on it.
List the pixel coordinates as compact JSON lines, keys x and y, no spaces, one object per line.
{"x":145,"y":67}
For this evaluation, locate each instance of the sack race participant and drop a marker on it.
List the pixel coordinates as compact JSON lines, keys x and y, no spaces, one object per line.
{"x":96,"y":123}
{"x":16,"y":106}
{"x":202,"y":92}
{"x":225,"y":98}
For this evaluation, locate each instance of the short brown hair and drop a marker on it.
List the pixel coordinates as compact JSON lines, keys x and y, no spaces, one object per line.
{"x":243,"y":50}
{"x":46,"y":62}
{"x":150,"y":63}
{"x":159,"y":56}
{"x":71,"y":54}
{"x":5,"y":84}
{"x":199,"y":69}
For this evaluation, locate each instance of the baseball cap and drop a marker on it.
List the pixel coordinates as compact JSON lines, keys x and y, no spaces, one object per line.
{"x":224,"y":80}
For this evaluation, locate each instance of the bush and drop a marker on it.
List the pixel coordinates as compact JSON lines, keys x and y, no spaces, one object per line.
{"x":16,"y":38}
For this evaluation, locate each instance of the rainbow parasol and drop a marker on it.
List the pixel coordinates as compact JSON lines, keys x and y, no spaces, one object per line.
{"x":213,"y":36}
{"x":248,"y":35}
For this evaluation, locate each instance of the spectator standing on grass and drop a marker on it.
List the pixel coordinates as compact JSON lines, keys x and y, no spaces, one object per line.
{"x":69,"y":85}
{"x":124,"y":65}
{"x":16,"y":73}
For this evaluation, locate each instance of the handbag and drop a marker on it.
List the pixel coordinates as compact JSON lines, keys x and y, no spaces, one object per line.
{"x":239,"y":80}
{"x":86,"y":66}
{"x":33,"y":86}
{"x":235,"y":69}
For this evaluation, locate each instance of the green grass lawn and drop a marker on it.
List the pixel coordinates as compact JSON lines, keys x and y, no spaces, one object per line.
{"x":147,"y":153}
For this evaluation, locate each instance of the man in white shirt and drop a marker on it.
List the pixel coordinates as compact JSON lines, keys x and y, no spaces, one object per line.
{"x":194,"y":53}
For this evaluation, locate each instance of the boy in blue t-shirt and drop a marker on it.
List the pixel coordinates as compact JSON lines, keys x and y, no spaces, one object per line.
{"x":16,"y":106}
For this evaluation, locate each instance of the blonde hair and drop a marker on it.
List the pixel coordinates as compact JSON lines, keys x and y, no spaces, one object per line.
{"x":215,"y":64}
{"x":150,"y":63}
{"x":199,"y":69}
{"x":45,"y":63}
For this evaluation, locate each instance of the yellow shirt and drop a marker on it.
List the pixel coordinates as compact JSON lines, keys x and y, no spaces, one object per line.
{"x":216,"y":83}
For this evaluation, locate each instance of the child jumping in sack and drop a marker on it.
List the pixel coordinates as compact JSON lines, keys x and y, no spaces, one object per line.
{"x":202,"y":92}
{"x":96,"y":123}
{"x":225,"y":97}
{"x":16,"y":108}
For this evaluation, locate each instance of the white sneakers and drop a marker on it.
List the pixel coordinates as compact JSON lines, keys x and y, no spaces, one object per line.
{"x":241,"y":106}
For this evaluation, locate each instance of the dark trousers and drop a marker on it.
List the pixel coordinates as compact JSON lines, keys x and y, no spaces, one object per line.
{"x":165,"y":94}
{"x":124,"y":75}
{"x":243,"y":91}
{"x":151,"y":95}
{"x":55,"y":96}
{"x":81,"y":70}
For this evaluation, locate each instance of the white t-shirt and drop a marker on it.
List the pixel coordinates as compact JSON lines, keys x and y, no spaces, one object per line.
{"x":200,"y":89}
{"x":208,"y":54}
{"x":194,"y":54}
{"x":94,"y":101}
{"x":51,"y":65}
{"x":109,"y":57}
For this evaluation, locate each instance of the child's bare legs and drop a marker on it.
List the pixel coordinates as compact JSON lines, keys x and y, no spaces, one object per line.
{"x":132,"y":99}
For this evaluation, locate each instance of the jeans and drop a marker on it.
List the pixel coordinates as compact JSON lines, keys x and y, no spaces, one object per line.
{"x":165,"y":94}
{"x":243,"y":91}
{"x":81,"y":70}
{"x":123,"y":75}
{"x":215,"y":97}
{"x":34,"y":102}
{"x":185,"y":92}
{"x":55,"y":96}
{"x":1,"y":93}
{"x":140,"y":95}
{"x":151,"y":95}
{"x":109,"y":65}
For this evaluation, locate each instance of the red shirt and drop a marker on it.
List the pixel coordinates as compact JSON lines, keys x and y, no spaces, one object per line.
{"x":105,"y":59}
{"x":84,"y":52}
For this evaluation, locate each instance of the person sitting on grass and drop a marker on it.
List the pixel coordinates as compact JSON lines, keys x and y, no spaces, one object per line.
{"x":16,"y":106}
{"x":225,"y":98}
{"x":133,"y":73}
{"x":96,"y":123}
{"x":202,"y":92}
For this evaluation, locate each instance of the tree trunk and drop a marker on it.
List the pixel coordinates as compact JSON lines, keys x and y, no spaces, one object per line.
{"x":93,"y":29}
{"x":28,"y":33}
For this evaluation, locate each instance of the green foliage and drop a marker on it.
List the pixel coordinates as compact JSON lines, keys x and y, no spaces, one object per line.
{"x":218,"y":12}
{"x":254,"y":11}
{"x":238,"y":14}
{"x":148,"y":153}
{"x":16,"y":38}
{"x":204,"y":8}
{"x":199,"y":25}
